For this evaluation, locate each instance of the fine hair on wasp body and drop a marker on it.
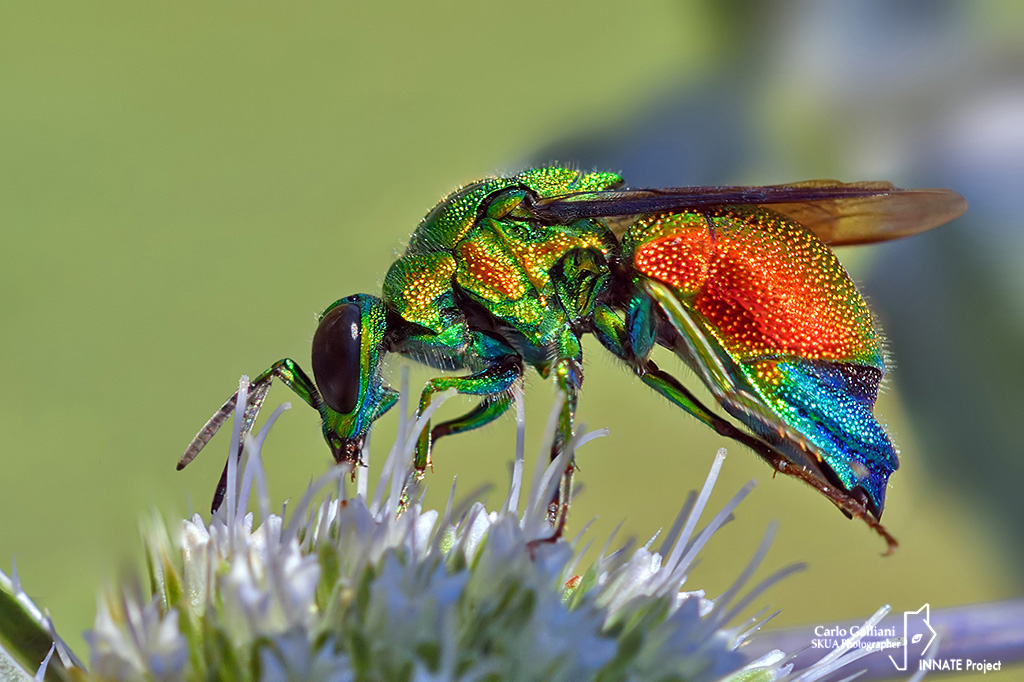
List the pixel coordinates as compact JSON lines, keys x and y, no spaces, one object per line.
{"x":739,"y":283}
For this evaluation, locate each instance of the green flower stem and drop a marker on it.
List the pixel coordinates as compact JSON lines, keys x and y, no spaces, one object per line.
{"x":27,"y":636}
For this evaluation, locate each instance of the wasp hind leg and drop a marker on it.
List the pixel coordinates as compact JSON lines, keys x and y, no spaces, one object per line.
{"x":613,"y":334}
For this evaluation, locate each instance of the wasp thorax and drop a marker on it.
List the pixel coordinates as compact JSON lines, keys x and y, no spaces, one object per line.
{"x":336,"y":357}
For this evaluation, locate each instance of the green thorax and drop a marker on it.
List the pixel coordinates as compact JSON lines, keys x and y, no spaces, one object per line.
{"x":450,"y":221}
{"x":476,"y":239}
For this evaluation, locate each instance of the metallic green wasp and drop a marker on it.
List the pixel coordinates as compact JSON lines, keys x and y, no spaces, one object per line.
{"x":738,"y":282}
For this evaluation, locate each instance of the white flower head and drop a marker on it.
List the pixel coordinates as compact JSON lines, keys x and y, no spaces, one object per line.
{"x":371,"y":586}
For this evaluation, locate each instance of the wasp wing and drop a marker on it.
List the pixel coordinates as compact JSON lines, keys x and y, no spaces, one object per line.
{"x":838,"y":213}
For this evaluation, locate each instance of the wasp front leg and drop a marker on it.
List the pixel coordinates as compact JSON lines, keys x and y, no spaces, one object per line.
{"x":494,"y":383}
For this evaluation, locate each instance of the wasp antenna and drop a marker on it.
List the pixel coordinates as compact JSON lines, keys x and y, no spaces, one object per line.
{"x":206,"y":433}
{"x":258,"y":393}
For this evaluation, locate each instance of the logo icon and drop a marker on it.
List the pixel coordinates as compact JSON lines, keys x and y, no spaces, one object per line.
{"x":918,"y":636}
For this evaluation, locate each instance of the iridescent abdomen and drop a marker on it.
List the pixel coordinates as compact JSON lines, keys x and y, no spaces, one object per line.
{"x":765,"y":285}
{"x":789,"y":325}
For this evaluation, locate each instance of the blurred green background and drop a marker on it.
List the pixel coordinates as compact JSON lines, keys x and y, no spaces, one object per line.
{"x":184,"y":187}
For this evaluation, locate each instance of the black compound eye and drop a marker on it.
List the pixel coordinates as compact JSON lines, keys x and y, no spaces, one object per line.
{"x":336,"y":357}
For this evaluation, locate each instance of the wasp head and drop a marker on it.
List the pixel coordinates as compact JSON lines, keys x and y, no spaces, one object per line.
{"x":348,"y":349}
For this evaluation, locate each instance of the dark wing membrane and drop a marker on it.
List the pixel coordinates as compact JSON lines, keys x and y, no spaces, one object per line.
{"x":862,"y":220}
{"x":838,"y":213}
